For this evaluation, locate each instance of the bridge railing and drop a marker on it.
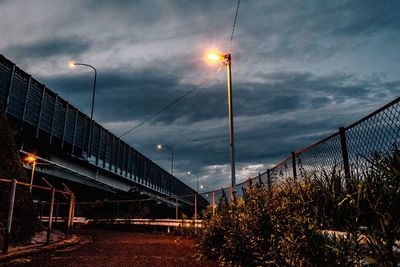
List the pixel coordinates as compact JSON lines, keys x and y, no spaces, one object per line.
{"x":347,"y":151}
{"x":47,"y":116}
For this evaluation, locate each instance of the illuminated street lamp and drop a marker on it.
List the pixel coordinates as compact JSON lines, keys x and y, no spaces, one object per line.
{"x":226,"y":59}
{"x":31,"y":159}
{"x":197,"y":192}
{"x":159,"y":147}
{"x":72,"y":65}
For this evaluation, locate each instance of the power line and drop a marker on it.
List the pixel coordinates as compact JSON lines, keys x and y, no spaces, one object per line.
{"x":191,"y":90}
{"x":234,"y":26}
{"x":171,"y":104}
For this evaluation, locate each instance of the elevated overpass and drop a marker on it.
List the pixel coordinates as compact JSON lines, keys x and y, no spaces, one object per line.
{"x":58,"y":132}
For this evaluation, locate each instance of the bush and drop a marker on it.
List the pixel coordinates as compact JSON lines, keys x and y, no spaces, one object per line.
{"x":25,"y":218}
{"x":318,"y":221}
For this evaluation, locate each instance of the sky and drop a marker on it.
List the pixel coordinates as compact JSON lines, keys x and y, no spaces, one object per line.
{"x":300,"y":70}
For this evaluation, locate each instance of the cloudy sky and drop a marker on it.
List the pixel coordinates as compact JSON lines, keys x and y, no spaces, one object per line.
{"x":301,"y":69}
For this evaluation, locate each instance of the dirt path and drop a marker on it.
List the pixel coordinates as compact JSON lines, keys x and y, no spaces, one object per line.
{"x":113,"y":248}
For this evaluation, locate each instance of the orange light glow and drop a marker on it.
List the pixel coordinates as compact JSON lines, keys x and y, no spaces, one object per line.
{"x":30,"y":158}
{"x":214,"y":57}
{"x":71,"y":64}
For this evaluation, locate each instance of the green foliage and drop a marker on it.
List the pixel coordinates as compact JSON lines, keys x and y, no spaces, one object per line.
{"x":24,"y":219}
{"x":322,"y":220}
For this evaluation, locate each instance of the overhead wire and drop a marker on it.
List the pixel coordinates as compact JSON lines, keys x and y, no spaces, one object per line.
{"x":233,"y":27}
{"x":191,"y":90}
{"x":171,"y":103}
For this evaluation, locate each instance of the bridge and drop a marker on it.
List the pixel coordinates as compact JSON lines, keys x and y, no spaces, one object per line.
{"x":59,"y":134}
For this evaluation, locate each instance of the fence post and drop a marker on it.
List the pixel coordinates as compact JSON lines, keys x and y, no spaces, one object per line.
{"x":53,"y":193}
{"x":345,"y":154}
{"x":71,"y":203}
{"x":250,"y":184}
{"x":269,"y":181}
{"x":195,"y":213}
{"x":176,"y":208}
{"x":73,"y":211}
{"x":213,"y":202}
{"x":10,"y":215}
{"x":294,"y":165}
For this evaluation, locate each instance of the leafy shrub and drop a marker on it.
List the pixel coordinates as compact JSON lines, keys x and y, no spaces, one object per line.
{"x":318,"y":221}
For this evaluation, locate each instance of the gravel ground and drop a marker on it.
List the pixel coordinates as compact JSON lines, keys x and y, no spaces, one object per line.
{"x":114,"y":248}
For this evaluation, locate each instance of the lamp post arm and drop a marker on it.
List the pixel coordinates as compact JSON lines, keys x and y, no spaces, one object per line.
{"x":92,"y":109}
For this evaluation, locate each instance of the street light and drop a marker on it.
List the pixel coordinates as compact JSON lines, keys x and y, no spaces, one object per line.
{"x":72,"y":65}
{"x":32,"y":160}
{"x":197,"y":192}
{"x":159,"y":147}
{"x":226,"y":59}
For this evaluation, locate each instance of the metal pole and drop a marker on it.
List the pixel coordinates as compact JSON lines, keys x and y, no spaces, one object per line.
{"x":53,"y":192}
{"x":10,"y":215}
{"x":231,"y":133}
{"x":71,"y":203}
{"x":345,"y":155}
{"x":269,"y":181}
{"x":294,"y":165}
{"x":195,"y":207}
{"x":176,"y":209}
{"x":33,"y":173}
{"x":91,"y":113}
{"x":172,"y":162}
{"x":73,"y":212}
{"x":213,"y":202}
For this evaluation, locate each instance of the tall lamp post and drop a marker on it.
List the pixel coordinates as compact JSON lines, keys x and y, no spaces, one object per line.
{"x":31,"y":159}
{"x":73,"y":64}
{"x":159,"y":147}
{"x":227,"y":60}
{"x":197,"y":192}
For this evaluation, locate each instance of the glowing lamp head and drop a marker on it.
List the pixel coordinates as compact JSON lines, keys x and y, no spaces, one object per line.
{"x":30,"y":159}
{"x":71,"y":64}
{"x":189,"y":173}
{"x":215,"y":57}
{"x":202,"y":186}
{"x":159,"y":146}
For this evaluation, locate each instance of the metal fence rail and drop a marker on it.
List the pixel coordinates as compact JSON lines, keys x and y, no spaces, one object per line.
{"x":10,"y":214}
{"x":345,"y":151}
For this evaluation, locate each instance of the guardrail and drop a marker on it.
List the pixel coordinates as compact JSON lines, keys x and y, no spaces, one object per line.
{"x":14,"y":183}
{"x":122,"y":221}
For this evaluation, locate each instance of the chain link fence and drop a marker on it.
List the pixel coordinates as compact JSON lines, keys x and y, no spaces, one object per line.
{"x":347,"y":151}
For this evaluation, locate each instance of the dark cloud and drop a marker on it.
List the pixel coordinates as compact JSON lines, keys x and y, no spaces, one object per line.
{"x":46,"y":48}
{"x":301,"y":70}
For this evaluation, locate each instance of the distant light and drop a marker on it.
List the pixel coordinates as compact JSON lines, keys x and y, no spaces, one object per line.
{"x":71,"y":64}
{"x":202,"y":186}
{"x":189,"y":173}
{"x":159,"y":146}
